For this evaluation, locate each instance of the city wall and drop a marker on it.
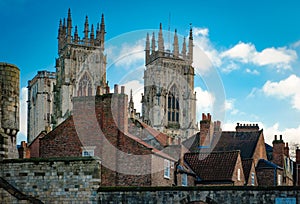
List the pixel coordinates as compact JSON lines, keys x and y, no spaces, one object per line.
{"x":57,"y":180}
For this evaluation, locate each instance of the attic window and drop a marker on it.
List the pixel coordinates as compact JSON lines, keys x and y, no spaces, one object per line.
{"x":166,"y":168}
{"x":239,"y":174}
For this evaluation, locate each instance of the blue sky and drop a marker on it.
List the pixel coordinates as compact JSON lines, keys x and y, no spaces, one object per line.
{"x":251,"y":48}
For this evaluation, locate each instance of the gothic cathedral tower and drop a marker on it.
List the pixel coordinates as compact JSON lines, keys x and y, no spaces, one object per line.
{"x":169,"y":101}
{"x":80,"y":67}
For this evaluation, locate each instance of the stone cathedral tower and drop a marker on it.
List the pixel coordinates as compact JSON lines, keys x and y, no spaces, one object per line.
{"x":80,"y":67}
{"x":169,"y":100}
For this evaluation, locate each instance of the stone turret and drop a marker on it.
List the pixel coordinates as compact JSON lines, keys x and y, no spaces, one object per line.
{"x":9,"y":109}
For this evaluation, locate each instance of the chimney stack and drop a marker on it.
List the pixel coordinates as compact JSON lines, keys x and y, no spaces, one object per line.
{"x":279,"y":151}
{"x":116,"y":89}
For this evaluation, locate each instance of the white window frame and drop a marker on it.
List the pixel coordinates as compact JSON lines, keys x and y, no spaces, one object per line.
{"x":88,"y":151}
{"x":279,"y":179}
{"x":252,"y":178}
{"x":239,"y":174}
{"x":184,"y":180}
{"x":167,"y":169}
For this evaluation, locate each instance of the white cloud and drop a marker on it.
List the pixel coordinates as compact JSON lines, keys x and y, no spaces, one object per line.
{"x":254,"y":71}
{"x":205,"y":102}
{"x":280,"y":58}
{"x":241,"y":52}
{"x":230,"y":67}
{"x":290,"y":135}
{"x":288,"y":87}
{"x":200,"y":31}
{"x":23,"y":115}
{"x":205,"y":54}
{"x":137,"y":89}
{"x":230,"y":107}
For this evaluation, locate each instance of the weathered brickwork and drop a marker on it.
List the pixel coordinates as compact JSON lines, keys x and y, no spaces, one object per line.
{"x":268,"y":177}
{"x":65,"y":180}
{"x":213,"y":195}
{"x":9,"y":109}
{"x":260,"y":150}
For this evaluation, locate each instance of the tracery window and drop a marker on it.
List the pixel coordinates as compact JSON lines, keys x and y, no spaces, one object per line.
{"x":84,"y":86}
{"x":173,"y":105}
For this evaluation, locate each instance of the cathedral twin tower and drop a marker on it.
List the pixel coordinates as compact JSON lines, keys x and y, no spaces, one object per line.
{"x":168,"y":103}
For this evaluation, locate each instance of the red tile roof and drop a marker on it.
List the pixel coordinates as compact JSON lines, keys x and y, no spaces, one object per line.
{"x":214,"y":166}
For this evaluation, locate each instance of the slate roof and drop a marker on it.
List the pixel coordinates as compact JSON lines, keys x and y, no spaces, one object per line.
{"x":264,"y":164}
{"x":214,"y":166}
{"x":244,"y":141}
{"x":192,"y":143}
{"x":247,"y":165}
{"x":160,"y":137}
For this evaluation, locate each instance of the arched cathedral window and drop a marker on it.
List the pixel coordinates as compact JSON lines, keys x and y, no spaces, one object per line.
{"x":84,"y":86}
{"x":173,"y":105}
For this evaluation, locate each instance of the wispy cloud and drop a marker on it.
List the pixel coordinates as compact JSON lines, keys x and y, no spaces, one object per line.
{"x":252,"y":71}
{"x":127,"y":55}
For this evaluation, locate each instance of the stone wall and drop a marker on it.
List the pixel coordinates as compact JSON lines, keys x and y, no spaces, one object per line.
{"x":63,"y":180}
{"x":211,"y":195}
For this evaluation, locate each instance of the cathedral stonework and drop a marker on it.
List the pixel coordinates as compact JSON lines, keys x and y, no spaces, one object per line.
{"x":80,"y":67}
{"x":40,"y":103}
{"x":169,"y":100}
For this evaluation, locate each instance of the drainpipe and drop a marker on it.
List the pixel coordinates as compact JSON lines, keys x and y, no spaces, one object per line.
{"x":275,"y":176}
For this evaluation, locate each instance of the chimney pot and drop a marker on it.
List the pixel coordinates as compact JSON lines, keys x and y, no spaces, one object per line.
{"x":280,"y":137}
{"x":116,"y":91}
{"x":122,"y":89}
{"x":275,"y":137}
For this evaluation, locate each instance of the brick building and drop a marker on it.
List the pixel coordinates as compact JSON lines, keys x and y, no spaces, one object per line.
{"x":99,"y":127}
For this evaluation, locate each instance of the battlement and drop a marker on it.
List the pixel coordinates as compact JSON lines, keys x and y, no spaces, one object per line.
{"x":152,"y":53}
{"x":89,"y":39}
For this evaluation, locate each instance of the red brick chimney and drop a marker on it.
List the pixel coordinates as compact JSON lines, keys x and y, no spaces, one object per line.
{"x":278,"y":151}
{"x":287,"y":150}
{"x":206,"y":130}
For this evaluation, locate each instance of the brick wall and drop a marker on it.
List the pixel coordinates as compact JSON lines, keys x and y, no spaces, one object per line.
{"x":266,"y":177}
{"x":61,"y":142}
{"x":65,"y":180}
{"x":260,"y":150}
{"x":238,"y":181}
{"x":157,"y":176}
